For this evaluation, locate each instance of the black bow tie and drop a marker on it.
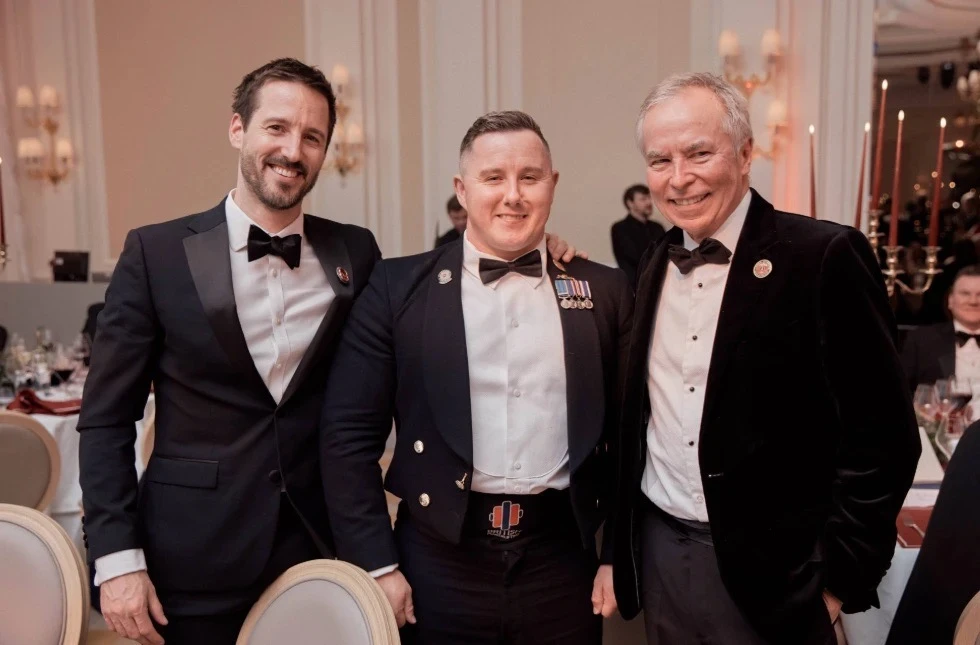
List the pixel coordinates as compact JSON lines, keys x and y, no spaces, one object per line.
{"x":261,"y":244}
{"x":709,"y":251}
{"x":528,"y":264}
{"x":962,"y":338}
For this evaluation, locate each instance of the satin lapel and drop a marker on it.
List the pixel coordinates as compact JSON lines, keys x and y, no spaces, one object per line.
{"x":446,"y":372}
{"x":745,"y":295}
{"x":331,"y":251}
{"x":210,"y":265}
{"x":648,"y":290}
{"x":584,"y":392}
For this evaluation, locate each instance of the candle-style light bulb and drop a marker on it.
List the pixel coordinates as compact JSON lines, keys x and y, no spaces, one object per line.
{"x":901,"y":115}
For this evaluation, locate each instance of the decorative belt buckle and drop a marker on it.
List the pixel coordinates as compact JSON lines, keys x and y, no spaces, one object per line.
{"x":502,"y":520}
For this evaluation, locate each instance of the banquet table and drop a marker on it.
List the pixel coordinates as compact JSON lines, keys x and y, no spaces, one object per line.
{"x":65,"y":507}
{"x":871,"y":627}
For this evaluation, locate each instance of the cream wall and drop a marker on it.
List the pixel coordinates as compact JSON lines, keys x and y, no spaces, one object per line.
{"x":586,"y":72}
{"x":167,"y":71}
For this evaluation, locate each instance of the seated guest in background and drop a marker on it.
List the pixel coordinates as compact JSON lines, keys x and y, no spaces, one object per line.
{"x":946,"y":574}
{"x":949,"y":348}
{"x":457,"y":215}
{"x":768,"y":439}
{"x":506,"y":405}
{"x":634,"y":233}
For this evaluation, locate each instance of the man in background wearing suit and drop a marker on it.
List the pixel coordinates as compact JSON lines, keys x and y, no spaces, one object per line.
{"x":768,"y":437}
{"x":457,"y":215}
{"x":232,"y":315}
{"x":948,"y":349}
{"x":634,"y":233}
{"x":499,"y":368}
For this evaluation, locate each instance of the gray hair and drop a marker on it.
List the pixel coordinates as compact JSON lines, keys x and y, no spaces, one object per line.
{"x":736,"y":123}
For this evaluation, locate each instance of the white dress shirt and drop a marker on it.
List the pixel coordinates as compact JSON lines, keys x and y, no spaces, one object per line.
{"x":677,"y":373}
{"x":967,"y":356}
{"x":516,"y":355}
{"x":279,"y":310}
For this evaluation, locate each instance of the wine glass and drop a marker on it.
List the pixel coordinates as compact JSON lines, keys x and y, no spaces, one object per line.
{"x":950,"y":431}
{"x":944,"y":396}
{"x":926,"y":404}
{"x":960,"y":393}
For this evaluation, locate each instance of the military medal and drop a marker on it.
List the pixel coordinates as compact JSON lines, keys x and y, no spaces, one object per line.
{"x":572,"y":293}
{"x":563,"y":287}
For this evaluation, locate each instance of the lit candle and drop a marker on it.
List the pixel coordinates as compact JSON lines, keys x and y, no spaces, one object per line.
{"x":864,"y":154}
{"x":813,"y":182}
{"x":728,"y":44}
{"x":3,"y":232}
{"x":936,"y":184}
{"x":25,"y":97}
{"x":893,"y":224}
{"x":771,"y":44}
{"x":47,"y":97}
{"x":879,"y":140}
{"x":340,"y":77}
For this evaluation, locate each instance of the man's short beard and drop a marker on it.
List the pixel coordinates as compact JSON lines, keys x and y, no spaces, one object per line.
{"x":252,"y":173}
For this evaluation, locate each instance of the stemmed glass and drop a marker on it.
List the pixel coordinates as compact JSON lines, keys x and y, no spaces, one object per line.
{"x":926,"y":404}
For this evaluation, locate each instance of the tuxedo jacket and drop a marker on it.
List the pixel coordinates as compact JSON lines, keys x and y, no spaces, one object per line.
{"x":808,"y":442}
{"x":403,"y":356}
{"x":929,"y":354}
{"x":206,"y":510}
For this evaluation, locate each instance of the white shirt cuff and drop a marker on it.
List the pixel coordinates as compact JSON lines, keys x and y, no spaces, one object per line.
{"x":377,"y":573}
{"x":119,"y":564}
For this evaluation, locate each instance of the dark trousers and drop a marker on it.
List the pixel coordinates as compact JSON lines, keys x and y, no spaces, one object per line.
{"x":535,"y":590}
{"x":684,"y":599}
{"x":216,"y":618}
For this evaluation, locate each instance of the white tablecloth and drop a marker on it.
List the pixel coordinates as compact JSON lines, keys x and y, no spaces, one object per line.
{"x":65,"y":507}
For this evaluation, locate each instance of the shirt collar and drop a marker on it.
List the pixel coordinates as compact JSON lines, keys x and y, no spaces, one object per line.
{"x":471,"y":261}
{"x":730,"y":229}
{"x":239,"y":224}
{"x":957,"y":326}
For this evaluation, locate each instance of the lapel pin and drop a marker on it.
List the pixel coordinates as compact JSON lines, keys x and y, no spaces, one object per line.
{"x":342,"y":275}
{"x":445,"y":276}
{"x":461,"y":483}
{"x":762,"y":269}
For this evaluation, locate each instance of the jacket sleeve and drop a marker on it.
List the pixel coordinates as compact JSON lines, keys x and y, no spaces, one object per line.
{"x":879,"y":446}
{"x":124,"y":357}
{"x":354,"y":427}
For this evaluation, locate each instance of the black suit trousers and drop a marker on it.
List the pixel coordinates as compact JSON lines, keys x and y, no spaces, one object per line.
{"x":216,"y":618}
{"x":530,"y":593}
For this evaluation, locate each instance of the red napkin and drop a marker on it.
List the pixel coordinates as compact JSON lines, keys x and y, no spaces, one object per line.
{"x":910,"y":521}
{"x":28,"y":402}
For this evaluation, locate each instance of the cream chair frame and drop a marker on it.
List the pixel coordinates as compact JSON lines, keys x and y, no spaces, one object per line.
{"x":968,"y":626}
{"x":74,"y":575}
{"x":358,"y":583}
{"x":10,"y":417}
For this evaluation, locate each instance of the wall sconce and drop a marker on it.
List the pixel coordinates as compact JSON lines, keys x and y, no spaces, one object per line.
{"x":348,"y":139}
{"x":776,"y":124}
{"x":56,"y":161}
{"x":731,"y":52}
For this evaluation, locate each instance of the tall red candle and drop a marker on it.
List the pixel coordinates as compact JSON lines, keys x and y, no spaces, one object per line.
{"x":936,"y":185}
{"x":879,"y":140}
{"x":893,"y":225}
{"x":864,"y":154}
{"x":813,"y":181}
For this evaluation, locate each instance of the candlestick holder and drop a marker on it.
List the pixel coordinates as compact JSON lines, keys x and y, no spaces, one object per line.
{"x":891,"y":270}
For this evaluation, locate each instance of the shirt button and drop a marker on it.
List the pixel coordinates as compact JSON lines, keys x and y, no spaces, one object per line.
{"x":700,"y":285}
{"x":691,"y":388}
{"x":517,"y":393}
{"x":279,"y":322}
{"x":514,"y":323}
{"x":275,"y":273}
{"x":699,"y":499}
{"x":694,"y":337}
{"x":517,"y":466}
{"x":690,"y":443}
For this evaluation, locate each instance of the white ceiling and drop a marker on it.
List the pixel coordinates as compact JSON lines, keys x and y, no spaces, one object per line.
{"x":924,"y":32}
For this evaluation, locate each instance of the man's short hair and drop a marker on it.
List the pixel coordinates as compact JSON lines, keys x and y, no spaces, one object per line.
{"x":453,"y":205}
{"x":972,"y":271}
{"x":631,"y":192}
{"x":736,"y":123}
{"x":282,"y":69}
{"x":508,"y":121}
